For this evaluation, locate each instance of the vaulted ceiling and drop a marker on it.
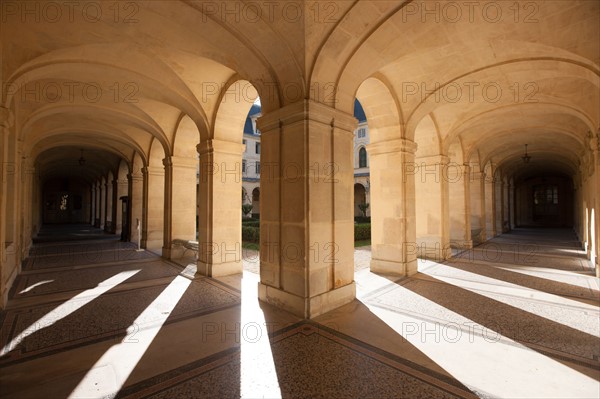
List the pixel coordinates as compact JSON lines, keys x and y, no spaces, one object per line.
{"x":491,"y":78}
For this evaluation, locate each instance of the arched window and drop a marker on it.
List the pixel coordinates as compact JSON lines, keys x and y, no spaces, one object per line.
{"x":362,"y":158}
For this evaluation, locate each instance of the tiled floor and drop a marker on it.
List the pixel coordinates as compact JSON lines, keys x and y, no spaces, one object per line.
{"x":517,"y":317}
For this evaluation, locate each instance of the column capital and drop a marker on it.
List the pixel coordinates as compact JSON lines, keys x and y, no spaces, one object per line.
{"x":181,"y":162}
{"x":153,"y":170}
{"x":221,"y":146}
{"x":135,"y":177}
{"x":477,"y":175}
{"x":398,"y":145}
{"x":594,"y":143}
{"x":307,"y":110}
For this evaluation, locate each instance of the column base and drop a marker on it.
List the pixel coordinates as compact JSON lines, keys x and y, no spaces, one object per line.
{"x":219,"y":269}
{"x":478,"y":236}
{"x":460,"y":245}
{"x":154,"y":245}
{"x":307,"y":308}
{"x":403,"y":269}
{"x":167,"y":253}
{"x":431,"y":248}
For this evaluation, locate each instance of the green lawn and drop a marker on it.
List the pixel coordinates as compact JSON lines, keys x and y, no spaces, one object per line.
{"x":255,"y":246}
{"x":365,"y":231}
{"x":250,"y":245}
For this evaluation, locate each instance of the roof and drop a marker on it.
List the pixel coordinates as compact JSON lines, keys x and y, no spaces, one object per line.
{"x":359,"y":112}
{"x":255,"y":109}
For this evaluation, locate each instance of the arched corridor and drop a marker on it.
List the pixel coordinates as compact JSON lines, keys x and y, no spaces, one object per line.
{"x":128,"y":130}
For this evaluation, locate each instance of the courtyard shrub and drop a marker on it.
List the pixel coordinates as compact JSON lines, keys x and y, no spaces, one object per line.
{"x":362,"y":231}
{"x":251,"y":222}
{"x":250,"y":233}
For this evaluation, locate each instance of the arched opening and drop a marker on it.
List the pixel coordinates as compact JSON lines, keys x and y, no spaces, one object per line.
{"x":251,"y":160}
{"x":545,"y":201}
{"x":65,"y":201}
{"x":360,"y":198}
{"x":224,"y":172}
{"x":362,"y":175}
{"x":391,"y":194}
{"x":256,"y":203}
{"x":181,"y":190}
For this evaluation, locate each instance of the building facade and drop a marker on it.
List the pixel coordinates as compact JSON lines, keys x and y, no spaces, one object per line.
{"x":251,"y":162}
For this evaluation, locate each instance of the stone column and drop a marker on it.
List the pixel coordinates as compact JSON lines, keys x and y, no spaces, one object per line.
{"x":136,"y":203}
{"x":7,"y":245}
{"x":432,"y":208}
{"x":490,"y":204}
{"x":499,"y":205}
{"x":511,"y":205}
{"x":155,"y":195}
{"x":220,"y":208}
{"x":27,"y":208}
{"x":594,"y":142}
{"x":97,"y":205}
{"x":477,"y":196}
{"x":102,"y":202}
{"x":393,"y":221}
{"x":307,"y":250}
{"x":460,"y":206}
{"x":179,"y":203}
{"x":506,"y":190}
{"x":108,"y":226}
{"x":92,"y":204}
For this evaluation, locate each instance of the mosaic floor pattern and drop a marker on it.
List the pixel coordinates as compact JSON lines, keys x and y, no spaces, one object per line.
{"x":522,"y":323}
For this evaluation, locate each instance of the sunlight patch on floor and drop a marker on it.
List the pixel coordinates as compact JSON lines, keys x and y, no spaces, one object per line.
{"x":502,"y":291}
{"x":258,"y":376}
{"x":107,"y":376}
{"x":68,"y":307}
{"x":35,"y":285}
{"x":482,"y":359}
{"x":557,"y":276}
{"x":571,"y":251}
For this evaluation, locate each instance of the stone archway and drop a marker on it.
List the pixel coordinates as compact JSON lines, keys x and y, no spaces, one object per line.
{"x":256,"y":202}
{"x":360,"y":197}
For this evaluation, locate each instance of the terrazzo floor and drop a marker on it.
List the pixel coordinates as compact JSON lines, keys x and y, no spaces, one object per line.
{"x":517,"y":317}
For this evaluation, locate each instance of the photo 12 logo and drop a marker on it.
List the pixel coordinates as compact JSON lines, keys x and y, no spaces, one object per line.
{"x":69,"y":11}
{"x":470,"y":12}
{"x":73,"y":91}
{"x":270,"y":11}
